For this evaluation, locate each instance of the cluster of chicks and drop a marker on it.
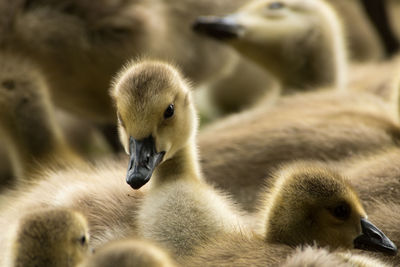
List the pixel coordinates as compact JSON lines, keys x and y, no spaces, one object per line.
{"x":304,"y":173}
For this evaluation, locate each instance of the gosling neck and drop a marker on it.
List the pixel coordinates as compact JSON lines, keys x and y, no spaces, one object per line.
{"x":35,"y":136}
{"x":183,"y":166}
{"x":320,"y":62}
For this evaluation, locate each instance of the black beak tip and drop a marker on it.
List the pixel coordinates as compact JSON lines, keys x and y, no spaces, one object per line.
{"x":215,"y":27}
{"x":135,"y":181}
{"x":373,"y":239}
{"x":393,"y":251}
{"x":364,"y":243}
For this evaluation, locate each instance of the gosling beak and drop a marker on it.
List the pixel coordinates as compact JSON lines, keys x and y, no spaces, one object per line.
{"x":222,"y":28}
{"x":143,"y":160}
{"x":373,"y":239}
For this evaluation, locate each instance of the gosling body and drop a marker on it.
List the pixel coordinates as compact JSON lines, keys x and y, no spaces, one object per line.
{"x":130,"y":252}
{"x":326,"y":125}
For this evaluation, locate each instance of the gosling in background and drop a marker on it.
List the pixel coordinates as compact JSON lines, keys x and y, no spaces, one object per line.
{"x":48,"y":238}
{"x":80,"y":58}
{"x":27,"y":119}
{"x":308,"y":203}
{"x":301,"y":42}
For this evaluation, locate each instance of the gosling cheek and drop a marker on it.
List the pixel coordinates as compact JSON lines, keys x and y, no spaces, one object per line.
{"x":167,"y":147}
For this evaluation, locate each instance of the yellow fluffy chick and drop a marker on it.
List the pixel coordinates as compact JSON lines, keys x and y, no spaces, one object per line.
{"x":307,"y":204}
{"x":97,"y":191}
{"x":299,"y":41}
{"x":158,"y":128}
{"x":310,"y":203}
{"x":50,"y":237}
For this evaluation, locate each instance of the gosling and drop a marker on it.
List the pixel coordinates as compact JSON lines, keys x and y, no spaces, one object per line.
{"x":50,"y":237}
{"x":157,"y":126}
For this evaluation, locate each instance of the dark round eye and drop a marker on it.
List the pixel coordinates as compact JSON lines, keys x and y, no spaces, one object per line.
{"x":276,"y":5}
{"x":169,"y":112}
{"x":341,"y":211}
{"x":82,"y":240}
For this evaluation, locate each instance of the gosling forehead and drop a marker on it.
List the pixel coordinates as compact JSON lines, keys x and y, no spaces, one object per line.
{"x":141,"y":84}
{"x":326,"y":187}
{"x":53,"y":224}
{"x":319,"y":185}
{"x":142,"y":92}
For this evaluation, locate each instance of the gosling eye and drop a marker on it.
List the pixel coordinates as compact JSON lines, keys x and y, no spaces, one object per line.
{"x":275,"y":5}
{"x":169,"y":112}
{"x":82,"y":240}
{"x":341,"y":211}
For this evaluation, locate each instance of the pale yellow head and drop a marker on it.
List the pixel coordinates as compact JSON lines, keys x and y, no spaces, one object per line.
{"x":290,"y":38}
{"x":51,"y":237}
{"x":155,"y":114}
{"x":309,"y":203}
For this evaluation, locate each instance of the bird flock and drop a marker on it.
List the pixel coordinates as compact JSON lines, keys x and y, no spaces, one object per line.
{"x":167,"y":133}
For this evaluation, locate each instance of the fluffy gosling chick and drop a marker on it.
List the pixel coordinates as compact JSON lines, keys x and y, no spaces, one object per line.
{"x":50,"y":237}
{"x":300,"y":41}
{"x":107,"y":203}
{"x":130,"y":252}
{"x":308,"y":203}
{"x":157,"y":128}
{"x":26,"y":116}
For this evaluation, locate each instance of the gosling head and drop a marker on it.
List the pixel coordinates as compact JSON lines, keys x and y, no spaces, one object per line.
{"x":283,"y":36}
{"x":155,"y":114}
{"x":26,"y":111}
{"x":23,"y":92}
{"x":125,"y":253}
{"x":310,"y":204}
{"x":51,"y":237}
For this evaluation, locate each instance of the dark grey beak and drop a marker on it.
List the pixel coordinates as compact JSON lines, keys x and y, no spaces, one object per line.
{"x":218,"y":27}
{"x":374,"y":239}
{"x":143,"y":160}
